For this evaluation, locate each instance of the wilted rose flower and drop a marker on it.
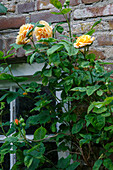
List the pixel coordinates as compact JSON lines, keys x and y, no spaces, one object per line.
{"x":83,"y":41}
{"x":43,"y":32}
{"x":21,"y":38}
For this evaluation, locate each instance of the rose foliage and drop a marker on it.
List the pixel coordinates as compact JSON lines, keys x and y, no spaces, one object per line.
{"x":80,"y":118}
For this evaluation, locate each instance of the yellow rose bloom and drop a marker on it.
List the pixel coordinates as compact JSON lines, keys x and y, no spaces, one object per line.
{"x":83,"y":41}
{"x":43,"y":32}
{"x":21,"y":38}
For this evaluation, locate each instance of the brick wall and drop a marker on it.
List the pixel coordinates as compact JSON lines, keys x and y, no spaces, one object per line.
{"x":85,"y":13}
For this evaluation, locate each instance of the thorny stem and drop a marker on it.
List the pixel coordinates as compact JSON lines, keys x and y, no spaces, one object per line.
{"x":69,"y":25}
{"x":16,"y":81}
{"x":84,"y":157}
{"x":12,"y":75}
{"x":68,"y":22}
{"x":1,"y":166}
{"x":57,"y":98}
{"x":1,"y":123}
{"x":33,"y":43}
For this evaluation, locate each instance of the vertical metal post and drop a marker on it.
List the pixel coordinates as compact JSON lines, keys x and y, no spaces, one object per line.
{"x":12,"y":118}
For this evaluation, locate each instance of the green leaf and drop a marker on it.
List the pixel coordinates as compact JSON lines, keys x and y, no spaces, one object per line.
{"x":90,"y":107}
{"x":11,"y":130}
{"x":69,"y":47}
{"x":98,"y":122}
{"x":11,"y":96}
{"x":45,"y":81}
{"x":55,"y":59}
{"x":108,"y":145}
{"x":106,"y":114}
{"x":99,"y":110}
{"x":3,"y":97}
{"x":39,"y":133}
{"x":47,"y":73}
{"x":20,"y":79}
{"x":98,"y":104}
{"x":53,"y":127}
{"x":96,"y":23}
{"x":108,"y":164}
{"x":83,"y":141}
{"x":97,"y":164}
{"x":78,"y":126}
{"x":85,"y":64}
{"x":28,"y":35}
{"x":99,"y":92}
{"x":5,"y":57}
{"x":34,"y":165}
{"x":73,"y":166}
{"x":11,"y":139}
{"x":91,"y":56}
{"x":54,"y":49}
{"x":16,"y":46}
{"x":64,"y":162}
{"x":87,"y":139}
{"x":109,"y":128}
{"x":65,"y":10}
{"x":56,"y":4}
{"x":56,"y":13}
{"x":57,"y":72}
{"x":60,"y":29}
{"x":90,"y":32}
{"x":92,"y":89}
{"x":68,"y":84}
{"x":32,"y":58}
{"x":11,"y":78}
{"x":1,"y":54}
{"x":28,"y":161}
{"x":27,"y":47}
{"x":81,"y":89}
{"x":3,"y":9}
{"x":108,"y":100}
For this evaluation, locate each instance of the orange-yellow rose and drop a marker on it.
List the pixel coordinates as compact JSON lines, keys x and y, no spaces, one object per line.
{"x":83,"y":41}
{"x":17,"y":121}
{"x":43,"y":32}
{"x":24,"y":93}
{"x":21,"y":38}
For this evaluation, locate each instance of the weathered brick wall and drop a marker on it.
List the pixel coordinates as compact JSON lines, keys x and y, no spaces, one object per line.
{"x":85,"y":13}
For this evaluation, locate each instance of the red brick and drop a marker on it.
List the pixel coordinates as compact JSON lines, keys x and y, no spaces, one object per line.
{"x":45,"y":4}
{"x":26,"y":7}
{"x":11,"y":22}
{"x":47,"y":16}
{"x":105,"y":40}
{"x":111,"y":24}
{"x":11,"y":9}
{"x":88,"y":12}
{"x":101,"y":11}
{"x":74,"y":2}
{"x":89,"y":1}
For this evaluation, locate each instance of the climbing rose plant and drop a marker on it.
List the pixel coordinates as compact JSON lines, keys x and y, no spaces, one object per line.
{"x":80,"y":119}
